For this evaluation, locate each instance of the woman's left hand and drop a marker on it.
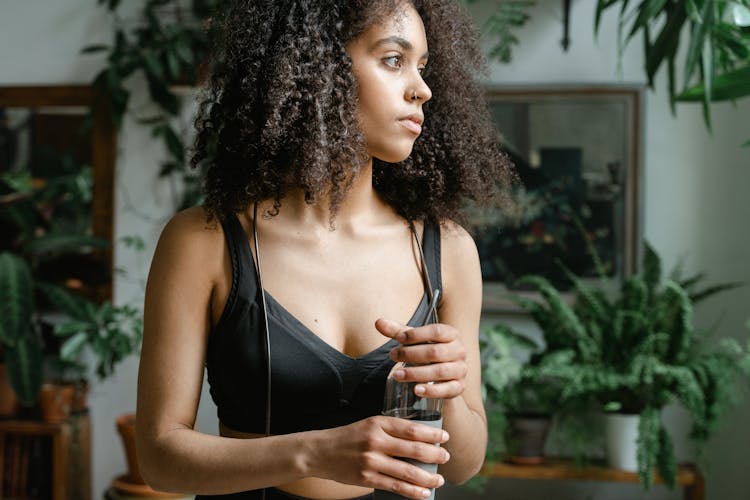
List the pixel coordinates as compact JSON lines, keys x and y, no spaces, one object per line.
{"x":437,"y":349}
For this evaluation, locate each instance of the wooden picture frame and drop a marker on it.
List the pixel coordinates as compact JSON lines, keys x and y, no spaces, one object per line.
{"x":578,"y":154}
{"x":101,"y":151}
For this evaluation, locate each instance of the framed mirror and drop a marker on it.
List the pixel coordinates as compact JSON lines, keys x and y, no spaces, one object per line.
{"x":577,"y":152}
{"x":57,"y":162}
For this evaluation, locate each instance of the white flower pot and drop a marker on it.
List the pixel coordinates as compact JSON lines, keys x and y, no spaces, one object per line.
{"x":622,"y":440}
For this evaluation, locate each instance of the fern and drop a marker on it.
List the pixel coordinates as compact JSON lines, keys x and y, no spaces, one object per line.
{"x":665,"y":462}
{"x":651,"y":269}
{"x":649,"y":426}
{"x":676,"y":318}
{"x":635,"y":353}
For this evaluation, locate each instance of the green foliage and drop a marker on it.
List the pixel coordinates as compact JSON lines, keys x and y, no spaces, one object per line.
{"x":716,"y":54}
{"x":168,"y":46}
{"x":49,"y":218}
{"x":514,"y":382}
{"x":508,"y":16}
{"x":638,"y":351}
{"x":18,"y":338}
{"x":111,"y":333}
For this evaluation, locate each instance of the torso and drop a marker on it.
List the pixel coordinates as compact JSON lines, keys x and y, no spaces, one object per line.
{"x":343,"y":281}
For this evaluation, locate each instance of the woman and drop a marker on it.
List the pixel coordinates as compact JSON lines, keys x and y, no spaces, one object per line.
{"x":339,"y":149}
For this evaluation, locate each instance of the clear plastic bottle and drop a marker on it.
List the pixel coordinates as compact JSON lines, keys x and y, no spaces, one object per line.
{"x":401,"y":401}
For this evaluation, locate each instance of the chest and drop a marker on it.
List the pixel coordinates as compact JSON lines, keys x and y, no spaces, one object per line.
{"x":336,"y":290}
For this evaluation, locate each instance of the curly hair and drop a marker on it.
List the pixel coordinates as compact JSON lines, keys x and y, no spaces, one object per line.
{"x":279,"y":111}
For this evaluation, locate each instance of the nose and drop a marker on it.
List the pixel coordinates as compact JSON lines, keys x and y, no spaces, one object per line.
{"x":419,"y":91}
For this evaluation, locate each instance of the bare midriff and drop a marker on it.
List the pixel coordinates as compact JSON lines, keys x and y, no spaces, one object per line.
{"x":310,"y":487}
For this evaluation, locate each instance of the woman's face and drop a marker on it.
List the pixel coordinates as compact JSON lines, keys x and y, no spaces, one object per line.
{"x":388,"y":60}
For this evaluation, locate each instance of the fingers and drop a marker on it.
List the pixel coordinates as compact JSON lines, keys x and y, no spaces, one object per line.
{"x":405,"y":479}
{"x":412,"y":473}
{"x":429,"y":353}
{"x":436,"y":332}
{"x":412,"y":431}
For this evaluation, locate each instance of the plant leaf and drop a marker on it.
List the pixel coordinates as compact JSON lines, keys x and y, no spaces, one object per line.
{"x":648,"y":11}
{"x":72,"y":347}
{"x":726,"y":87}
{"x":665,"y":460}
{"x":16,"y":298}
{"x":648,"y":443}
{"x":60,"y":242}
{"x":25,"y":367}
{"x":69,"y":303}
{"x":90,"y":49}
{"x":651,"y":269}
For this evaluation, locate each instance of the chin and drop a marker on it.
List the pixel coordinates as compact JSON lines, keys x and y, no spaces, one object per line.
{"x":393,"y":156}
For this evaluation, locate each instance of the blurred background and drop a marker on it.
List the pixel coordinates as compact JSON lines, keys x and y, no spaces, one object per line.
{"x":634,"y":157}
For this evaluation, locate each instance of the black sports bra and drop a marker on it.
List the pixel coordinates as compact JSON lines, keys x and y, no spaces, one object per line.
{"x":315,"y":386}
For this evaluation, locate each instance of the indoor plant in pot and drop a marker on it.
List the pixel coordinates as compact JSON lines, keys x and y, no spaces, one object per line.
{"x":637,"y":350}
{"x":44,"y":220}
{"x":520,"y":398}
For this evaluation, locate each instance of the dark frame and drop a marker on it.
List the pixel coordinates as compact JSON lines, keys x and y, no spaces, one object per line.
{"x":521,"y":110}
{"x":103,"y":148}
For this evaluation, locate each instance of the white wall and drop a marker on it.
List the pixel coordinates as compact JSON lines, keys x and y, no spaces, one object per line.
{"x":696,"y":187}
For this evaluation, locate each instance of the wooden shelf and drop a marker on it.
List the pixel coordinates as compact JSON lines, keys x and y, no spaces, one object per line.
{"x":688,"y":475}
{"x":61,"y":450}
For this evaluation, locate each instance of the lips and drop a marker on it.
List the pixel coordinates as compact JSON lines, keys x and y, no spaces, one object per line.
{"x":413,"y":123}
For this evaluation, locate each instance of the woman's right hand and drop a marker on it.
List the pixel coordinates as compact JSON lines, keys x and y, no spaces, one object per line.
{"x":363,"y":454}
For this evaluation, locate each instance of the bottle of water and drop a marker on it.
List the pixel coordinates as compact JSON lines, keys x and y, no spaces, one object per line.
{"x":401,"y":401}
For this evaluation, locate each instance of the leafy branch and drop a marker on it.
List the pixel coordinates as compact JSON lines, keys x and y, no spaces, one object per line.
{"x":167,"y":46}
{"x":716,"y":66}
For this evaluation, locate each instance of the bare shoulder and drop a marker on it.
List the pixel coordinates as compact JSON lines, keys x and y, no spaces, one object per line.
{"x":190,"y":240}
{"x":457,"y":246}
{"x":192,"y":223}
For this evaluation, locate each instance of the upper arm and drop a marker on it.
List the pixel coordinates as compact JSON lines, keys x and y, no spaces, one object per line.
{"x":461,"y":305}
{"x":177,"y":319}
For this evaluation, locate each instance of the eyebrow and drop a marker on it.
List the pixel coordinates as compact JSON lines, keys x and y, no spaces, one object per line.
{"x":404,"y":43}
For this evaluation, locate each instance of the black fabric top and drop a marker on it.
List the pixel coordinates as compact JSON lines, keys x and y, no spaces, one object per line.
{"x":314,"y":386}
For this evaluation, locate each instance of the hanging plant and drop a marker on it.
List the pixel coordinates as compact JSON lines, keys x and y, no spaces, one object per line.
{"x":501,"y":25}
{"x":166,"y":43}
{"x":716,"y":66}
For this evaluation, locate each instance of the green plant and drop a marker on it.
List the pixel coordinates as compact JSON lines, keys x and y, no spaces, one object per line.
{"x":167,"y":44}
{"x":41,"y":218}
{"x":111,"y":333}
{"x":638,"y":351}
{"x":516,"y":381}
{"x":715,"y":59}
{"x":21,"y":347}
{"x":716,"y":66}
{"x":509,"y":15}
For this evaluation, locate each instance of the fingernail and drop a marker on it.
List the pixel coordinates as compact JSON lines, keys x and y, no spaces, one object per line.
{"x":399,"y":374}
{"x":446,"y":437}
{"x":447,"y":455}
{"x":426,"y":493}
{"x":441,"y":481}
{"x":419,"y":389}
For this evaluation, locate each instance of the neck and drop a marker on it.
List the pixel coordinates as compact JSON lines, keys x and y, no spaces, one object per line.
{"x":361,"y":201}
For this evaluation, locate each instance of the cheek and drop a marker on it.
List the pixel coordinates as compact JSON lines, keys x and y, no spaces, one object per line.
{"x":372,"y":110}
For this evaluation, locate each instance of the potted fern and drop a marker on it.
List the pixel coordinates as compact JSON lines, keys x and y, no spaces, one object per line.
{"x":639,"y":350}
{"x":521,"y":394}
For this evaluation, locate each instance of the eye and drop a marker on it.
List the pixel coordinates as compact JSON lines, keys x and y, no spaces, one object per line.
{"x":394,"y":61}
{"x":424,"y":71}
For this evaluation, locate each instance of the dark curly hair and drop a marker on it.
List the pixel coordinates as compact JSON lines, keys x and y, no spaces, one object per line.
{"x":279,"y":111}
